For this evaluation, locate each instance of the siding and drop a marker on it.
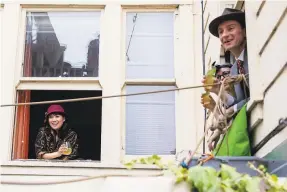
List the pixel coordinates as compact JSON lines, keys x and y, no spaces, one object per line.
{"x":267,"y":68}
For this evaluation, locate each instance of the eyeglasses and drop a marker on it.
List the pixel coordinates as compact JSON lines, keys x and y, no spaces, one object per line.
{"x":223,"y":75}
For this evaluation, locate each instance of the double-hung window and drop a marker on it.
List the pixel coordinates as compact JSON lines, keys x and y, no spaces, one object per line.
{"x":158,"y":55}
{"x":60,"y":60}
{"x":150,"y":120}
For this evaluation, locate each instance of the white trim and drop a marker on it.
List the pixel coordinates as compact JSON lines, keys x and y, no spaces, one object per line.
{"x":21,"y":48}
{"x":110,"y":77}
{"x":148,"y":10}
{"x":36,"y":168}
{"x":59,"y":79}
{"x":55,"y":9}
{"x":62,"y":84}
{"x":251,"y":104}
{"x":1,"y":44}
{"x":164,"y":158}
{"x":150,"y":82}
{"x":145,"y":82}
{"x":72,"y":163}
{"x":105,"y":2}
{"x":272,"y":143}
{"x":10,"y":30}
{"x":186,"y":128}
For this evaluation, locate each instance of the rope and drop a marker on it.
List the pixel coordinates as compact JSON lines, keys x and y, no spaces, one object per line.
{"x":233,"y":79}
{"x":105,"y":97}
{"x":187,"y":161}
{"x":78,"y":180}
{"x":225,"y":131}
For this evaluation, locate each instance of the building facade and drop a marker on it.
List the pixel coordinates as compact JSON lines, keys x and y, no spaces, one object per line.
{"x":53,"y":50}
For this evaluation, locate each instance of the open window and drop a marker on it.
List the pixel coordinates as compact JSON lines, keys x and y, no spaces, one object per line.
{"x":84,"y":117}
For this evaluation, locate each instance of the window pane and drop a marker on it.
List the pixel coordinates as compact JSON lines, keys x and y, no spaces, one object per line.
{"x":150,"y":121}
{"x":149,"y":45}
{"x":62,"y":44}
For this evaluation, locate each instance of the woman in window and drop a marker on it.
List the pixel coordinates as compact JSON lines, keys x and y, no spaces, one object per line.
{"x":56,"y":140}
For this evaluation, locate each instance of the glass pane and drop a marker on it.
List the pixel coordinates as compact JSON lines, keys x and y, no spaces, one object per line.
{"x":62,"y":44}
{"x":150,"y":121}
{"x":149,"y":45}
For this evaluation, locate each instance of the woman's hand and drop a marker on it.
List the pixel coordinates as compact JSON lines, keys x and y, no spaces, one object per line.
{"x":55,"y":154}
{"x":62,"y":149}
{"x":208,"y":105}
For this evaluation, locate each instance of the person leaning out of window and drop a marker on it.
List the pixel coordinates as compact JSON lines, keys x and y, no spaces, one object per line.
{"x":222,"y":71}
{"x":56,"y":140}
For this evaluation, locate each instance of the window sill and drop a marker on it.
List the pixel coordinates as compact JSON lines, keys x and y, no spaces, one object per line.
{"x":71,"y":164}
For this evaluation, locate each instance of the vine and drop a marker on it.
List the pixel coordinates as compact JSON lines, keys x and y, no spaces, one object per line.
{"x":208,"y":179}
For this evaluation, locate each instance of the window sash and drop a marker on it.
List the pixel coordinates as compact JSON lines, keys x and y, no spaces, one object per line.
{"x":184,"y":75}
{"x":146,"y":65}
{"x":154,"y":122}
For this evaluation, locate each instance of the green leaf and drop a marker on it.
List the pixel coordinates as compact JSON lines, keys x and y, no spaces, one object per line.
{"x":253,"y":184}
{"x":159,"y":164}
{"x":274,"y":178}
{"x":178,"y":180}
{"x":156,"y":157}
{"x":134,"y":161}
{"x":143,"y":161}
{"x":204,"y":179}
{"x":228,"y":172}
{"x":262,"y":168}
{"x":129,"y":165}
{"x":211,"y":72}
{"x":150,"y":160}
{"x":285,"y":185}
{"x":226,"y":186}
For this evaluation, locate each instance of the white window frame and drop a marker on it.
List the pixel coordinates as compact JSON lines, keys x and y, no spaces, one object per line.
{"x":56,"y":83}
{"x":112,"y":136}
{"x":1,"y":44}
{"x":182,"y":142}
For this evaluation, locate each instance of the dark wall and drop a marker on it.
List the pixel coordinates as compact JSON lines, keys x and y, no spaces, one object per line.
{"x":84,"y":117}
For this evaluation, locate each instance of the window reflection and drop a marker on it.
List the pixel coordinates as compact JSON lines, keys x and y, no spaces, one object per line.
{"x":150,"y":45}
{"x":62,"y":44}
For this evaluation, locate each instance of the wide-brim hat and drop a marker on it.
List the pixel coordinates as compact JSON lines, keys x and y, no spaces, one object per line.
{"x":227,"y":15}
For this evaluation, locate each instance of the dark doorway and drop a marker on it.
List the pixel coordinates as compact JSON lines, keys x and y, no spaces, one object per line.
{"x":84,"y":117}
